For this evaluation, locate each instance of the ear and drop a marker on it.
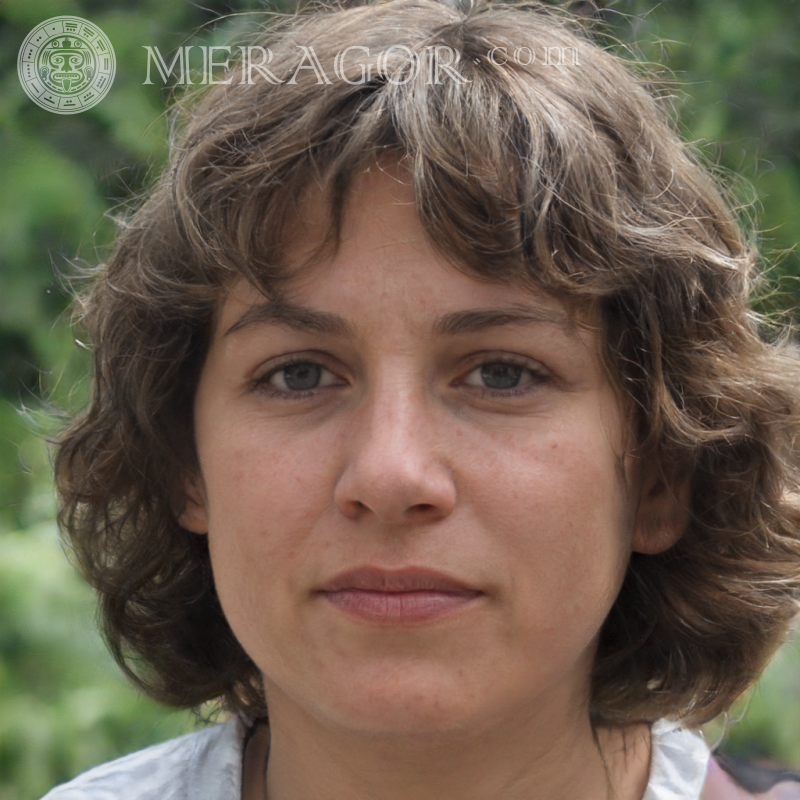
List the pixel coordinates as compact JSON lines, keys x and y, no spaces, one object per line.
{"x":193,"y":516}
{"x":663,"y":512}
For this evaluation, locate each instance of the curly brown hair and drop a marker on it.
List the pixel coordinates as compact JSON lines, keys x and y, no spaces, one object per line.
{"x":571,"y":179}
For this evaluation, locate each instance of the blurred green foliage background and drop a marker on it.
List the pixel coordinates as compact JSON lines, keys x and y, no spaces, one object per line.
{"x":733,"y":69}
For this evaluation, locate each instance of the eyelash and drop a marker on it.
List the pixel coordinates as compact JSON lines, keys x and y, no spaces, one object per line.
{"x":262,"y":383}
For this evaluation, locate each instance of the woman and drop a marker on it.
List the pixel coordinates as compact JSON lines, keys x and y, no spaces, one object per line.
{"x":430,"y":424}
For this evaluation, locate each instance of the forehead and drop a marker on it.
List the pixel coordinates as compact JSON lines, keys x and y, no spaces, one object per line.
{"x":381,"y":255}
{"x":384,"y":270}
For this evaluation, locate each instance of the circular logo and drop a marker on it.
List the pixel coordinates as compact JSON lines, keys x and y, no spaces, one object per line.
{"x":66,"y":65}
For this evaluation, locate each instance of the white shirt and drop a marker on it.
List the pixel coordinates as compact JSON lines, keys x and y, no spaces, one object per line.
{"x":207,"y":765}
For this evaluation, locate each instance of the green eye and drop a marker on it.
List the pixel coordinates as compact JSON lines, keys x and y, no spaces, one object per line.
{"x":504,"y":376}
{"x":301,"y":377}
{"x":500,"y":375}
{"x":296,"y":379}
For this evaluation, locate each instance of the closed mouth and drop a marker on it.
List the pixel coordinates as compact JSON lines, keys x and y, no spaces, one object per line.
{"x":399,"y":596}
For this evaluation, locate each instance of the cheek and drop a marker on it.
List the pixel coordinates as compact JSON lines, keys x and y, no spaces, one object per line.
{"x":566,"y":476}
{"x":252,"y":478}
{"x":557,"y":511}
{"x":266,"y":496}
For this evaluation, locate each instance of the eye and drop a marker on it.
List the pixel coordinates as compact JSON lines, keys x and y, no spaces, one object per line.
{"x":502,"y":375}
{"x":296,"y":377}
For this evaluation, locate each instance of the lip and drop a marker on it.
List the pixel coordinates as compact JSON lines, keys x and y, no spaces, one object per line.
{"x":405,"y":579}
{"x":411,"y":595}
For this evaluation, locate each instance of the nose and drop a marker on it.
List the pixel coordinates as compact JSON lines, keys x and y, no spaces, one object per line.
{"x":396,"y":469}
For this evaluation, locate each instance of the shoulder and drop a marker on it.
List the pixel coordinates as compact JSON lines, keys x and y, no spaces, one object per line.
{"x":201,"y":765}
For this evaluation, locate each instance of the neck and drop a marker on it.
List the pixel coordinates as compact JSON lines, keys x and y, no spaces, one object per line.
{"x":526,"y":759}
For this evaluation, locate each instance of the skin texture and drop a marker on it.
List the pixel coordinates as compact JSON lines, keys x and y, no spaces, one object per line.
{"x":401,"y":456}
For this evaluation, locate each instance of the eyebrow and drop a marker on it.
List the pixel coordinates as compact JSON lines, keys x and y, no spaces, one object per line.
{"x":307,"y":320}
{"x":475,"y":320}
{"x":290,"y":315}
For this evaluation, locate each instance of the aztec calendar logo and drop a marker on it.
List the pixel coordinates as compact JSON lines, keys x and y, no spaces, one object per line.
{"x":66,"y":65}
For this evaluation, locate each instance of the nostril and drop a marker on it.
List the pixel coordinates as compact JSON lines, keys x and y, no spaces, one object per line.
{"x":422,"y":511}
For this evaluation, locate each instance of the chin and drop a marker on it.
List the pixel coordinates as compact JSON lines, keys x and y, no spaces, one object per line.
{"x":412,"y":702}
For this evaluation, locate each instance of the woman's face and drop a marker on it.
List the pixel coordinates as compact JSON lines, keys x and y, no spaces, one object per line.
{"x":413,"y":483}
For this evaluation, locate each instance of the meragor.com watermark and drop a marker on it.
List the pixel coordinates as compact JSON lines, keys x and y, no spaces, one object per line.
{"x":200,"y":64}
{"x":66,"y":65}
